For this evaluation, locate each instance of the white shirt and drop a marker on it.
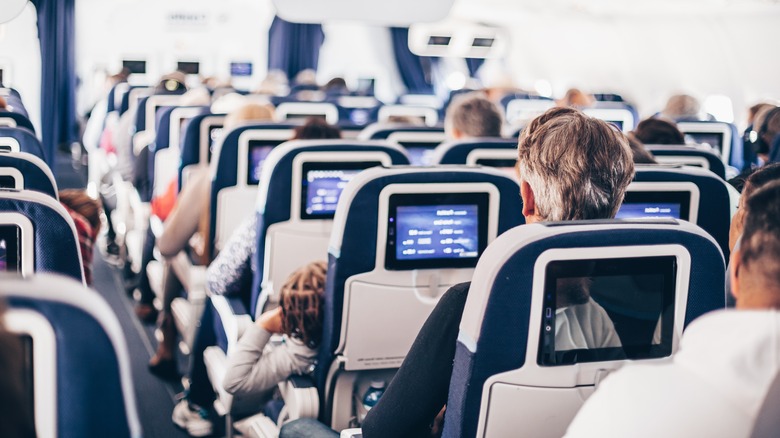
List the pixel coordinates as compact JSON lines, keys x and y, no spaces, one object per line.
{"x":712,"y":387}
{"x":584,"y":326}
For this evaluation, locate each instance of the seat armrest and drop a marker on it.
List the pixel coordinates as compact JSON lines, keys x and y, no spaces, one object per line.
{"x":352,"y":433}
{"x":192,"y":277}
{"x":216,"y":366}
{"x":301,"y":399}
{"x":233,"y":324}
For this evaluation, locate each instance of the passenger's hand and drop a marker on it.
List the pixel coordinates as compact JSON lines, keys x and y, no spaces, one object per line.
{"x":271,"y":321}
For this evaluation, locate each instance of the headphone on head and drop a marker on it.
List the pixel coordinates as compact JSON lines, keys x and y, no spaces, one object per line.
{"x":760,"y":145}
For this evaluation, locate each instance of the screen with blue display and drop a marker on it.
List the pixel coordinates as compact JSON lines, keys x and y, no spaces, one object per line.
{"x":420,"y":153}
{"x":258,"y":152}
{"x":240,"y":69}
{"x":428,"y":231}
{"x":644,"y":205}
{"x":323,"y":183}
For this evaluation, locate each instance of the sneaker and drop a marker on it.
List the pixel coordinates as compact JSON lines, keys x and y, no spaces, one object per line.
{"x":192,"y":419}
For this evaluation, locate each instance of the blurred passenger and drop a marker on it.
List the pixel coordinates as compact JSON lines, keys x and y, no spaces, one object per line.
{"x":758,"y":178}
{"x":717,"y":380}
{"x":562,"y":156}
{"x":231,"y":274}
{"x":472,"y":115}
{"x":682,"y":107}
{"x":187,"y":225}
{"x":767,"y":127}
{"x":275,"y":84}
{"x":576,"y":98}
{"x":640,"y":153}
{"x":336,"y":87}
{"x":658,"y":131}
{"x":85,"y":213}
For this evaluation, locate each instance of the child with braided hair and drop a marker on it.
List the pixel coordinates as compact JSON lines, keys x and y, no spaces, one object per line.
{"x":255,"y":366}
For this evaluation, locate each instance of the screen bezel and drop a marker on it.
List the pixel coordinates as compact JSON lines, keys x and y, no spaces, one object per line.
{"x":674,"y":186}
{"x":314,"y":166}
{"x":242,"y":167}
{"x":711,"y":128}
{"x":12,"y":233}
{"x":482,"y":200}
{"x":300,"y":110}
{"x":205,"y":136}
{"x":611,"y":115}
{"x":250,"y":181}
{"x":683,"y":198}
{"x":188,"y":67}
{"x":666,"y":265}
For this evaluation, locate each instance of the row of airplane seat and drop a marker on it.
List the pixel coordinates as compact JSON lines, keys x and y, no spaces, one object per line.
{"x":403,"y":215}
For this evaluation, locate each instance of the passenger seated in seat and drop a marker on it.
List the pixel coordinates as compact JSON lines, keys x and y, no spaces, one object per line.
{"x":186,"y":224}
{"x":716,"y":382}
{"x":471,"y":115}
{"x":572,"y":167}
{"x":255,"y":366}
{"x":658,"y":131}
{"x":85,"y":213}
{"x":576,"y":98}
{"x":641,"y":154}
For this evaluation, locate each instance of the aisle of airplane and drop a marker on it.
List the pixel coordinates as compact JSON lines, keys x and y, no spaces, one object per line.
{"x":459,"y":219}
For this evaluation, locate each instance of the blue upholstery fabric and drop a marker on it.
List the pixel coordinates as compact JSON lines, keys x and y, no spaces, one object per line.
{"x":716,"y":164}
{"x":21,"y":120}
{"x":190,"y":143}
{"x":503,"y":338}
{"x":90,"y":399}
{"x":140,"y":115}
{"x":714,"y":214}
{"x":460,"y":150}
{"x":359,"y":242}
{"x":382,"y":134}
{"x":27,"y":140}
{"x":56,"y":247}
{"x":34,"y":177}
{"x":277,"y":207}
{"x":124,"y":104}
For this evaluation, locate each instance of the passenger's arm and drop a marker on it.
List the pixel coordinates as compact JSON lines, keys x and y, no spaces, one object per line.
{"x":183,"y":221}
{"x":250,"y":369}
{"x":231,"y":271}
{"x":419,"y":389}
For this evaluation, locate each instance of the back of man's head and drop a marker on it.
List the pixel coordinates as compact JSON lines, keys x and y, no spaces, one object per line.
{"x":472,"y":115}
{"x":758,"y":264}
{"x":578,"y":167}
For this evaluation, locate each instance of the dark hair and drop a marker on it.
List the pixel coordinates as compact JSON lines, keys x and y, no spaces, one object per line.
{"x":658,"y":131}
{"x":474,"y":115}
{"x":641,"y":155}
{"x":760,"y":243}
{"x":316,"y":128}
{"x":301,"y":301}
{"x":761,"y":177}
{"x":81,"y":203}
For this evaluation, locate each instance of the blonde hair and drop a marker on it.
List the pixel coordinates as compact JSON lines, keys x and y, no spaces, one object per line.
{"x":301,"y":300}
{"x":250,"y":112}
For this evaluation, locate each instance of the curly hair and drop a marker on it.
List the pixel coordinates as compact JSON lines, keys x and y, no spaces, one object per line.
{"x":301,"y":302}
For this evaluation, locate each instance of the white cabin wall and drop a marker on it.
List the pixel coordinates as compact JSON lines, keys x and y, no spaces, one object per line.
{"x":20,"y":55}
{"x":212,"y":32}
{"x":644,"y":53}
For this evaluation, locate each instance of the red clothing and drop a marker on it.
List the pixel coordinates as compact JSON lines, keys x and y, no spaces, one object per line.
{"x":86,"y":239}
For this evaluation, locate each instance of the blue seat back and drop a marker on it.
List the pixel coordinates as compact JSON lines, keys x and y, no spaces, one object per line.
{"x":191,"y":142}
{"x":731,"y":152}
{"x":49,"y":241}
{"x":17,"y":120}
{"x":498,"y":327}
{"x":25,"y":140}
{"x":33,"y":173}
{"x":354,"y":240}
{"x":714,"y":212}
{"x":226,"y":175}
{"x":80,"y":355}
{"x":688,"y":155}
{"x":470,"y":151}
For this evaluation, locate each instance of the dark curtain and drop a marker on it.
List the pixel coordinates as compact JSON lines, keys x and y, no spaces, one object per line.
{"x":56,"y":31}
{"x":415,"y":70}
{"x":474,"y":64}
{"x":293,"y":47}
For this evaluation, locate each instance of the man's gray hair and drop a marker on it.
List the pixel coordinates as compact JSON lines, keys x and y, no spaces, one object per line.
{"x":474,"y":116}
{"x":578,"y":167}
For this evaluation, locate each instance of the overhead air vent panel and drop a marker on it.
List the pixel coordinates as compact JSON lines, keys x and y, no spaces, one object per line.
{"x":456,"y":38}
{"x":378,"y":12}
